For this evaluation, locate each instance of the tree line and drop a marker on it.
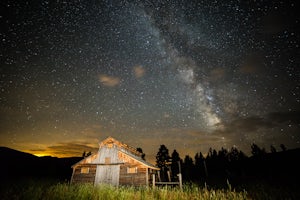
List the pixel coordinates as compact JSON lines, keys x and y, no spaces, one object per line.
{"x":220,"y":166}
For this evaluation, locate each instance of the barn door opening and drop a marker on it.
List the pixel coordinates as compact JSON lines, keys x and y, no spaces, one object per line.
{"x":107,"y":174}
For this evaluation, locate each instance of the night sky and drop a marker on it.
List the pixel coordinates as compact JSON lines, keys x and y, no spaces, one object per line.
{"x":188,"y":74}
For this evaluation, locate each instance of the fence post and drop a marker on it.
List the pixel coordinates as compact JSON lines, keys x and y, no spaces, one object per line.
{"x":169,"y":176}
{"x":180,"y":180}
{"x":153,"y":180}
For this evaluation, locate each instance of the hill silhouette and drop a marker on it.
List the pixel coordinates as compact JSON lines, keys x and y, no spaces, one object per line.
{"x":17,"y":165}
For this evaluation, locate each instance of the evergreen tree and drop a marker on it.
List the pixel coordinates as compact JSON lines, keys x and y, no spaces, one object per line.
{"x":273,"y":149}
{"x":283,"y":148}
{"x":142,"y":153}
{"x":199,"y":166}
{"x":257,"y":151}
{"x":89,"y":153}
{"x":234,"y":154}
{"x":188,"y":168}
{"x":175,"y":164}
{"x":162,"y":161}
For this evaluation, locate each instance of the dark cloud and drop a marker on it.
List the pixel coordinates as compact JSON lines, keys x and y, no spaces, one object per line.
{"x":283,"y":117}
{"x":70,"y":149}
{"x":249,"y":124}
{"x":254,"y":123}
{"x":217,"y":74}
{"x":37,"y":150}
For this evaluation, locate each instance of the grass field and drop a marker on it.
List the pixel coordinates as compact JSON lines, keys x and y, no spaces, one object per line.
{"x":35,"y":189}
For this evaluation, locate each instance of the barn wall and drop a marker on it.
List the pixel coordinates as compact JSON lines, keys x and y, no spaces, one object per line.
{"x":107,"y":152}
{"x":107,"y":174}
{"x":110,"y":166}
{"x":134,"y":179}
{"x":79,"y":177}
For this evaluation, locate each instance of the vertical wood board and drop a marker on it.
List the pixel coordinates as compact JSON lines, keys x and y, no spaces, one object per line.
{"x":107,"y":174}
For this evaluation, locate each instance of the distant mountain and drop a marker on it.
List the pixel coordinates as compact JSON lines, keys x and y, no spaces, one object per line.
{"x":16,"y":164}
{"x":6,"y":152}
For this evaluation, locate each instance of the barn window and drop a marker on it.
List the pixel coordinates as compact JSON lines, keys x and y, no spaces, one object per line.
{"x":107,"y":160}
{"x":84,"y":170}
{"x":131,"y":170}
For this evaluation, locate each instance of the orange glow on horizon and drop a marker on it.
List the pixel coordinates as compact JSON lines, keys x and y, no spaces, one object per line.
{"x":41,"y":154}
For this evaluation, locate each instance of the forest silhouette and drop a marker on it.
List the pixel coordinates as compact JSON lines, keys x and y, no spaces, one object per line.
{"x":220,"y":167}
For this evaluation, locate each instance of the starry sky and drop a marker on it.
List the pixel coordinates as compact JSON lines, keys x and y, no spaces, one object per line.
{"x":188,"y":74}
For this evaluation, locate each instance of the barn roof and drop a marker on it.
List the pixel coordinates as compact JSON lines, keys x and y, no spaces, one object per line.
{"x":140,"y":160}
{"x":120,"y":144}
{"x":123,"y":148}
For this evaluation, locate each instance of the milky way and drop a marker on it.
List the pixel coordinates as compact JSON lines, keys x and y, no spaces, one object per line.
{"x":188,"y":74}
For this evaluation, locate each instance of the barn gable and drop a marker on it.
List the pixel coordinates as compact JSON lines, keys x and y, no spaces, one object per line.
{"x":115,"y":163}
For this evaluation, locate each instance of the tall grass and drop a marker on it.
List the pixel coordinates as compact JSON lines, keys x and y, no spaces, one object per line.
{"x":105,"y":192}
{"x":65,"y":191}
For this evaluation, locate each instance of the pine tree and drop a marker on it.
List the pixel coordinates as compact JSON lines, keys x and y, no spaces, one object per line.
{"x":142,"y":153}
{"x":175,"y":164}
{"x":162,"y":161}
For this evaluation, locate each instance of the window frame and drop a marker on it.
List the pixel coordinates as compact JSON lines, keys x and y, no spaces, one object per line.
{"x":84,"y":170}
{"x":132,"y":170}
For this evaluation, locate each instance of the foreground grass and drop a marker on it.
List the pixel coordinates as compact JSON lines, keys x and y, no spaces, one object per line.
{"x":51,"y":189}
{"x":87,"y":191}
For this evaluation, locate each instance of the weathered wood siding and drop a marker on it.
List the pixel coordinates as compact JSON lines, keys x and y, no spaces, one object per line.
{"x":115,"y":163}
{"x":107,"y":152}
{"x":135,"y":179}
{"x":107,"y":174}
{"x":109,"y":168}
{"x":79,"y":177}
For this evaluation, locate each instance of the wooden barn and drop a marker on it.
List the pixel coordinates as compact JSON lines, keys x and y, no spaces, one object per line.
{"x":116,"y":164}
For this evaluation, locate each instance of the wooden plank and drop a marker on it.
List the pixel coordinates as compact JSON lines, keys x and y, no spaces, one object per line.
{"x":147,"y":177}
{"x":107,"y":152}
{"x":79,"y":177}
{"x":107,"y":174}
{"x":135,"y":179}
{"x":154,"y":183}
{"x":167,"y":183}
